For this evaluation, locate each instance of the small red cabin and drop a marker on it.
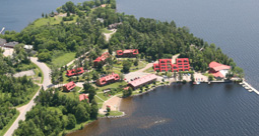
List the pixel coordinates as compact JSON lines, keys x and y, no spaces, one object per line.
{"x":127,"y":53}
{"x":69,"y":86}
{"x":83,"y":97}
{"x":101,"y":58}
{"x":108,"y":79}
{"x":74,"y":72}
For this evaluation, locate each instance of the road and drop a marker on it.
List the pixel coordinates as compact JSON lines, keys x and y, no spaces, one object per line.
{"x":24,"y":109}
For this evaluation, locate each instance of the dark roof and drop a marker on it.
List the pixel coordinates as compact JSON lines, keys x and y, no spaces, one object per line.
{"x":11,"y":44}
{"x":2,"y":42}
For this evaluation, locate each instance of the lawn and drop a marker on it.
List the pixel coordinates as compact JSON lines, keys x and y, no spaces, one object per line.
{"x":73,"y":94}
{"x":113,"y":85}
{"x":52,"y":21}
{"x":150,"y":70}
{"x":63,"y":59}
{"x":3,"y":131}
{"x":141,"y":64}
{"x":115,"y":113}
{"x":105,"y":30}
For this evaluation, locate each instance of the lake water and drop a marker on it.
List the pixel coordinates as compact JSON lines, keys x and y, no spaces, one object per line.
{"x":220,"y":109}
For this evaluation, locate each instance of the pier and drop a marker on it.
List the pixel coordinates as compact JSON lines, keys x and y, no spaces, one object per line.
{"x":2,"y":30}
{"x":249,"y":87}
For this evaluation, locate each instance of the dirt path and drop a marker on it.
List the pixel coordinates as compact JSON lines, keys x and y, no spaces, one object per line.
{"x":24,"y":109}
{"x":113,"y":102}
{"x":109,"y":35}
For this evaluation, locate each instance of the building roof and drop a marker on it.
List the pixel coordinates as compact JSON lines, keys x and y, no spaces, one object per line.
{"x":218,"y":74}
{"x":28,"y":46}
{"x":70,"y":85}
{"x":73,"y":72}
{"x":217,"y":66}
{"x":11,"y":44}
{"x":143,"y":80}
{"x":2,"y":42}
{"x":104,"y":80}
{"x":103,"y":57}
{"x":83,"y":97}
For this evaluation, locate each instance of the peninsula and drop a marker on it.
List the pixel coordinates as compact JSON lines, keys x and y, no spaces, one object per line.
{"x":86,"y":57}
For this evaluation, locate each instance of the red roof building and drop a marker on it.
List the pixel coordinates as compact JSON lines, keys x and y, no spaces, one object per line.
{"x":101,"y":58}
{"x":218,"y":70}
{"x":69,"y":86}
{"x":83,"y":97}
{"x":182,"y":64}
{"x":142,"y":81}
{"x":127,"y":53}
{"x":108,"y":79}
{"x":74,"y":72}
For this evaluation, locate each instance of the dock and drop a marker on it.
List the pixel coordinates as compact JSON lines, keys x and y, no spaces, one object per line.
{"x":2,"y":30}
{"x":249,"y":87}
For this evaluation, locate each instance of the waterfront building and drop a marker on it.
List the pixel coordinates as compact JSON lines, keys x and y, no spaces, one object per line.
{"x":142,"y":81}
{"x":114,"y":26}
{"x":69,"y":86}
{"x":101,"y":58}
{"x":74,"y":72}
{"x":83,"y":97}
{"x":108,"y":79}
{"x":218,"y":70}
{"x":127,"y":53}
{"x":2,"y":42}
{"x":163,"y":65}
{"x":11,"y":44}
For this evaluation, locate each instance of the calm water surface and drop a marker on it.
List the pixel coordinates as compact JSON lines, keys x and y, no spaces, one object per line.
{"x":186,"y":110}
{"x":218,"y":109}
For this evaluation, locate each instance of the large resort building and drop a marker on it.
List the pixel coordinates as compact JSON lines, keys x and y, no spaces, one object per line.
{"x":108,"y":79}
{"x":218,"y":70}
{"x":142,"y":81}
{"x":127,"y":53}
{"x":182,"y":64}
{"x":101,"y":59}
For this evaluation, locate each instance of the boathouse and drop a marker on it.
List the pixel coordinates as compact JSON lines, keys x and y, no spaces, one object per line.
{"x":142,"y":81}
{"x":127,"y":53}
{"x":74,"y":72}
{"x":101,"y":59}
{"x":69,"y":86}
{"x":218,"y":70}
{"x":108,"y":79}
{"x":163,"y":65}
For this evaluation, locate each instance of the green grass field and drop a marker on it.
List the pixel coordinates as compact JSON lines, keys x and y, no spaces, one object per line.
{"x":115,"y":113}
{"x":52,"y":21}
{"x":63,"y":59}
{"x":3,"y":131}
{"x":105,"y":30}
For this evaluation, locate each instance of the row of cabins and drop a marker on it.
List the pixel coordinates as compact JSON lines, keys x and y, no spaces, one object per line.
{"x":163,"y":65}
{"x":70,"y":86}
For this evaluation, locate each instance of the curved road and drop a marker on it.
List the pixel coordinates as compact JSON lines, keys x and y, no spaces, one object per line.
{"x":24,"y":109}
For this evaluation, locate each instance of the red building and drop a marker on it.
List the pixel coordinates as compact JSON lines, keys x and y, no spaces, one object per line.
{"x":74,"y":72}
{"x":142,"y":81}
{"x":108,"y":79}
{"x":218,"y":70}
{"x":69,"y":86}
{"x":83,"y":97}
{"x":127,"y":53}
{"x":101,"y":58}
{"x":182,"y":64}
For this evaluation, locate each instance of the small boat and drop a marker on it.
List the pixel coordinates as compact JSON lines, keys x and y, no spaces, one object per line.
{"x":196,"y":83}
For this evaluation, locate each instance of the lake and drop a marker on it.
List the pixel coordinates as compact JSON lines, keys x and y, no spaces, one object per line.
{"x":217,"y":109}
{"x":221,"y":109}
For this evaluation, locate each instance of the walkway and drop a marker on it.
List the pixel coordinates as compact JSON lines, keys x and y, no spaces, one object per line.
{"x":24,"y":109}
{"x":109,"y":35}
